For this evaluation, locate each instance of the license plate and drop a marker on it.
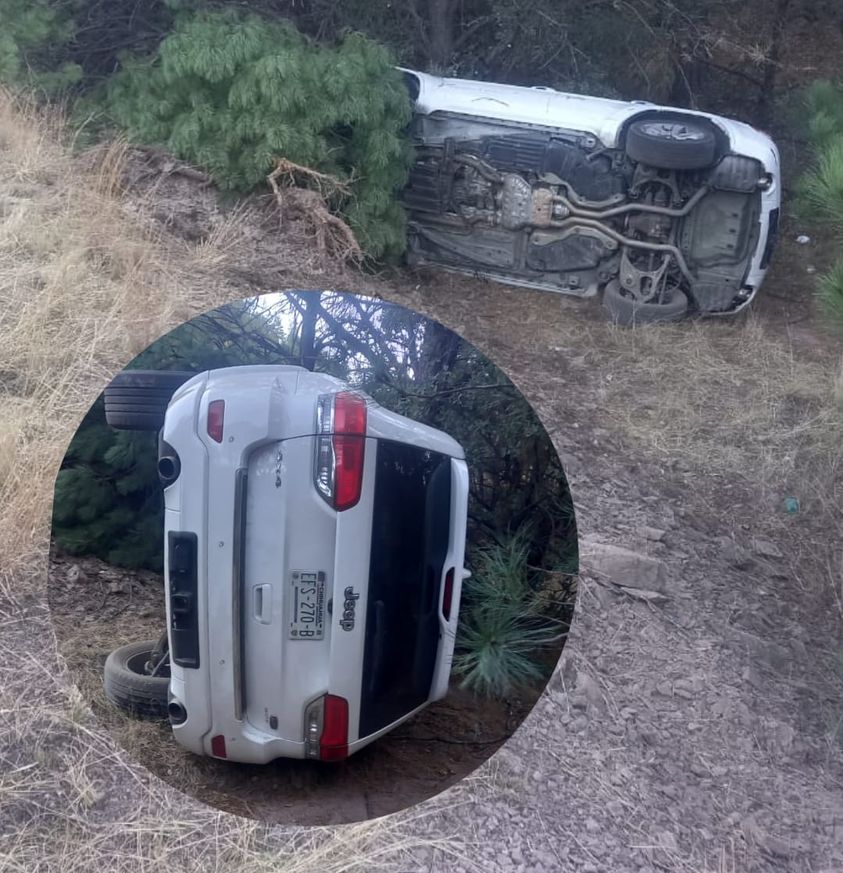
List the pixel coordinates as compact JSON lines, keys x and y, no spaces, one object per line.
{"x":307,"y":610}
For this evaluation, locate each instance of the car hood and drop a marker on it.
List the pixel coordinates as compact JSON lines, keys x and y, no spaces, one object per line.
{"x":598,"y":116}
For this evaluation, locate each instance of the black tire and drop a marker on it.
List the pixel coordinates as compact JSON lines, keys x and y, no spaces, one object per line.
{"x":127,"y":685}
{"x":627,"y":312}
{"x":672,"y":143}
{"x":137,"y":399}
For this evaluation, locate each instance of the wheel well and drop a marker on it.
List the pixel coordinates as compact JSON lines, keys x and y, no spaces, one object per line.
{"x":413,"y":85}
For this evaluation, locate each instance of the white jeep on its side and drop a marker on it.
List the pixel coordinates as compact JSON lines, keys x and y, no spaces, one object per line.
{"x":666,"y":211}
{"x":314,"y":550}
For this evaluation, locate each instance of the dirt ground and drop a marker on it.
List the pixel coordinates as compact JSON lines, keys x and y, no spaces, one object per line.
{"x":96,"y":607}
{"x":697,"y":734}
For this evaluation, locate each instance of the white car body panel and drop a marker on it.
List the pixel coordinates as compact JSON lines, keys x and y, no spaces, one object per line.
{"x":547,"y":107}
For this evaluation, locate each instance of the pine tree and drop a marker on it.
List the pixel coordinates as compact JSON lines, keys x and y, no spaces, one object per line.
{"x":33,"y":34}
{"x":107,"y":497}
{"x":233,"y":93}
{"x":821,"y":188}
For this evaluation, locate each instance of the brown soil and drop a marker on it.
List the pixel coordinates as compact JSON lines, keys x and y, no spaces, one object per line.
{"x":96,"y":607}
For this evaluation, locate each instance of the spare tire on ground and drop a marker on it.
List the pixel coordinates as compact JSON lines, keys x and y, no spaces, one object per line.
{"x":675,"y":143}
{"x":138,"y":399}
{"x":128,"y":684}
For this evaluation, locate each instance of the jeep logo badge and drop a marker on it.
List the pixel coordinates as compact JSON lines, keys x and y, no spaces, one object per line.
{"x":348,"y":607}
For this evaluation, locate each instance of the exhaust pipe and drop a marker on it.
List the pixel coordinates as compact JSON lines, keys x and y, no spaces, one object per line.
{"x":169,"y":468}
{"x":169,"y":465}
{"x":177,"y":712}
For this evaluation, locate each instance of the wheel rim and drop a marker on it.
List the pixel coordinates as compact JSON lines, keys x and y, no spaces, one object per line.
{"x":137,"y":664}
{"x":676,"y":131}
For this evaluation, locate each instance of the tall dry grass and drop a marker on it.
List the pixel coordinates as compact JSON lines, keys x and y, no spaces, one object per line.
{"x":730,"y":400}
{"x":84,"y":287}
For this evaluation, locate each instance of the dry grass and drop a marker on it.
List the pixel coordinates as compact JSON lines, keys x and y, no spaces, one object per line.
{"x":84,"y":287}
{"x":731,"y":399}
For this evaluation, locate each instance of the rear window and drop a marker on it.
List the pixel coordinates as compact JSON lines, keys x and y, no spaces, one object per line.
{"x":410,"y":534}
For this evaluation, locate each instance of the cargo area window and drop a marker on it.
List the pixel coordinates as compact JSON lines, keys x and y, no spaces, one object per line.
{"x":410,"y":536}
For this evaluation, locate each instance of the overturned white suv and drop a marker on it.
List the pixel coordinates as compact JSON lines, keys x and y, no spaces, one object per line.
{"x":667,"y":211}
{"x":314,"y":562}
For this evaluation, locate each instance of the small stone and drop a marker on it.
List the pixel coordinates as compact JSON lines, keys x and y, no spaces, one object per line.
{"x":603,"y":595}
{"x":75,"y":574}
{"x":668,"y":841}
{"x":736,"y":555}
{"x":654,"y":534}
{"x":587,"y":693}
{"x":694,"y":684}
{"x":592,"y":825}
{"x":803,"y":239}
{"x":649,"y":736}
{"x":766,"y":549}
{"x":578,"y":725}
{"x":751,"y":676}
{"x":699,"y":771}
{"x":624,"y":567}
{"x":769,"y":653}
{"x":783,"y":737}
{"x":665,"y":688}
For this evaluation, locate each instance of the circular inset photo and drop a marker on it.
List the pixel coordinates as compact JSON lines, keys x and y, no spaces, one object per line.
{"x":314,"y":557}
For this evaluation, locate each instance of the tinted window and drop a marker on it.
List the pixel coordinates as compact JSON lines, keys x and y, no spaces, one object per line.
{"x":411,"y":525}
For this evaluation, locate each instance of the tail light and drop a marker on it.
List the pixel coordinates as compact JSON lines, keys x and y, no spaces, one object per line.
{"x":218,"y":746}
{"x":326,"y":729}
{"x":216,"y":418}
{"x":340,"y":448}
{"x":448,"y":594}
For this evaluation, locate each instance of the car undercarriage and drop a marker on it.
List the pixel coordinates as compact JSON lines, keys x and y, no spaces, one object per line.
{"x":668,"y":219}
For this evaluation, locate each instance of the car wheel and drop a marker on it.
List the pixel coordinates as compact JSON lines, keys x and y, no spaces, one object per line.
{"x":671,"y":143}
{"x":137,"y":399}
{"x":128,"y":686}
{"x":627,"y":311}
